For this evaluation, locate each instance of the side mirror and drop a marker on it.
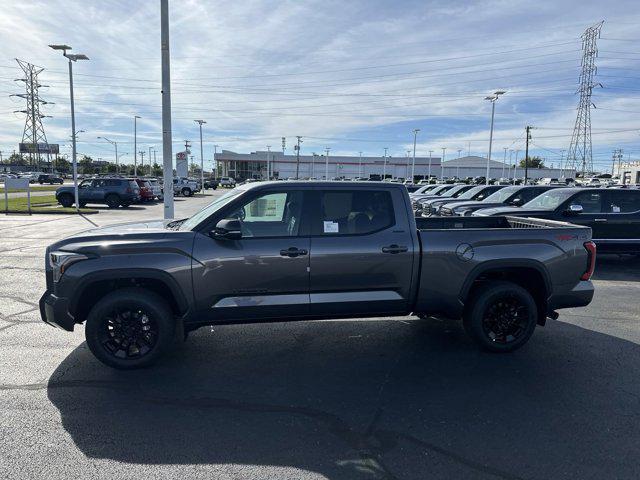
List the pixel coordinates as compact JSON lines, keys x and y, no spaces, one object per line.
{"x":516,"y":201}
{"x":574,"y":209}
{"x":227,"y":229}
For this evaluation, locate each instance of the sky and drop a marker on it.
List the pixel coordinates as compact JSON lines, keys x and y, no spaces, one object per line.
{"x":353,"y":76}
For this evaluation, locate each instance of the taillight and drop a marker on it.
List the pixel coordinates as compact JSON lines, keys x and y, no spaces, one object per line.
{"x":590,"y":247}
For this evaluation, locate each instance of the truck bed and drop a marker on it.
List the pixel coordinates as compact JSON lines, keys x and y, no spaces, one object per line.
{"x":458,"y":250}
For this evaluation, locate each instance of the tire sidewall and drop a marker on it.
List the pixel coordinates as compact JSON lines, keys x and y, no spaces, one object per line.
{"x":116,"y":200}
{"x":152,"y":303}
{"x":483,"y":299}
{"x":65,"y":200}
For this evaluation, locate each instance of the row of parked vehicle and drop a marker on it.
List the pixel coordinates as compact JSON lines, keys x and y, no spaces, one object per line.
{"x":612,"y":213}
{"x":122,"y":192}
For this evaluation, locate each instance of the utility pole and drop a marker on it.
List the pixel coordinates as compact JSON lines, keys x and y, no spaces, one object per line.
{"x":200,"y":122}
{"x":526,"y":155}
{"x":297,"y":147}
{"x":384,"y":168}
{"x":413,"y":164}
{"x":326,"y":163}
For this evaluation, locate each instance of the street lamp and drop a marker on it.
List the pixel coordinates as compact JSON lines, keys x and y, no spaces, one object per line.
{"x":413,"y":164}
{"x":444,"y":149}
{"x":200,"y":122}
{"x":135,"y":145}
{"x":429,"y":174}
{"x":72,"y":58}
{"x":115,"y":144}
{"x":492,"y":98}
{"x":268,"y":155}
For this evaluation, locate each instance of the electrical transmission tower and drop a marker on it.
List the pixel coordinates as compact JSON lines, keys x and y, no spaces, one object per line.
{"x":580,"y":148}
{"x":33,"y":128}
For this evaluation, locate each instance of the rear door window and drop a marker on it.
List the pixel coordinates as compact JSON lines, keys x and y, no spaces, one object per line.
{"x":623,"y":202}
{"x":356,"y":212}
{"x":591,"y":201}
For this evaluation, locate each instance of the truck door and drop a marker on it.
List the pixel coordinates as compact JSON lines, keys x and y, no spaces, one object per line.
{"x":264,"y":273}
{"x":622,"y":212}
{"x":592,"y":215}
{"x":361,"y":252}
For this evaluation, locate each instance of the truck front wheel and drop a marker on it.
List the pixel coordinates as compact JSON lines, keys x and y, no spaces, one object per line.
{"x":130,"y":328}
{"x":501,"y":316}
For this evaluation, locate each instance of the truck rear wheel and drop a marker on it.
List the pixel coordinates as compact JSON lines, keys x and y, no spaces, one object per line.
{"x":112,"y":200}
{"x":130,"y":328}
{"x":65,"y":199}
{"x":501,"y":317}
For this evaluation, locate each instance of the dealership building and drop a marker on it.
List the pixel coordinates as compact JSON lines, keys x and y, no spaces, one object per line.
{"x":264,"y":164}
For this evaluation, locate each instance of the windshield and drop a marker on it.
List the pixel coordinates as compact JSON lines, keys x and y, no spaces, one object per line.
{"x":501,"y":195}
{"x":469,"y":194}
{"x":549,"y":200}
{"x":458,"y":190}
{"x":210,"y":209}
{"x":424,"y":189}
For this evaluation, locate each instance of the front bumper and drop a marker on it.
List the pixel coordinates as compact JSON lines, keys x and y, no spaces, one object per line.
{"x":55,"y":311}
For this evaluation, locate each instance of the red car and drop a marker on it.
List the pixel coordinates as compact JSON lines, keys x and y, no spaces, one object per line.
{"x":146,"y":193}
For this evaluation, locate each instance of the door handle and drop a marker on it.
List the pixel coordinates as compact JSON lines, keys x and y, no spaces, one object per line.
{"x":293,"y":252}
{"x":394,"y":249}
{"x":600,"y":220}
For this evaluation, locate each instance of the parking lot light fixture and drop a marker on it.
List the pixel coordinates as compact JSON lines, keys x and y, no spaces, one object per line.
{"x":115,"y":144}
{"x":72,"y":58}
{"x":135,"y":145}
{"x":200,"y":122}
{"x":492,"y":98}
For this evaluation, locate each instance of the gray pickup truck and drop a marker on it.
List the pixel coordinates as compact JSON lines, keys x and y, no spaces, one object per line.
{"x":277,"y":251}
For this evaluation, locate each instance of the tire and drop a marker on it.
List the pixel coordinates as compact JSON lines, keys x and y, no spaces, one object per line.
{"x":66,"y":200}
{"x":148,"y":330}
{"x":112,"y":200}
{"x":186,"y":192}
{"x":501,"y":316}
{"x":126,"y":205}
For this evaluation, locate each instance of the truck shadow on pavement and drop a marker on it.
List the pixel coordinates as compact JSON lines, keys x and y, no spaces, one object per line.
{"x":624,"y":268}
{"x":366,"y":399}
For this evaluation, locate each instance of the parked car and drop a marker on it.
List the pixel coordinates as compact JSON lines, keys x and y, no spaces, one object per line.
{"x":156,"y":188}
{"x":478,"y":193}
{"x":49,"y":179}
{"x":184,"y":187}
{"x":612,"y":214}
{"x":515,"y":195}
{"x":452,"y":193}
{"x":370,"y":257}
{"x":228,"y":182}
{"x":211,"y":183}
{"x":438,"y":191}
{"x":113,"y":192}
{"x":146,"y":191}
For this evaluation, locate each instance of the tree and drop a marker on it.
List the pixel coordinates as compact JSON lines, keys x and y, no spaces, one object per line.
{"x":157,"y":170}
{"x":534,"y":162}
{"x":15,"y":159}
{"x":194,"y":169}
{"x":62,"y":165}
{"x":84,"y":165}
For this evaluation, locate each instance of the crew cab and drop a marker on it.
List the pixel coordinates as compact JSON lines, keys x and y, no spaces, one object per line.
{"x":613,"y":214}
{"x":113,"y":192}
{"x":516,"y":196}
{"x":49,"y":179}
{"x":277,"y":251}
{"x":185,"y":187}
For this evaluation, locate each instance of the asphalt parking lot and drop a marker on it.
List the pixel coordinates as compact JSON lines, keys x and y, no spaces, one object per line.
{"x":367,"y":398}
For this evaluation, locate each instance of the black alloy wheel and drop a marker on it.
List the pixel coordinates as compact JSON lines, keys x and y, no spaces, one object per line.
{"x":505,"y":319}
{"x":129,"y":333}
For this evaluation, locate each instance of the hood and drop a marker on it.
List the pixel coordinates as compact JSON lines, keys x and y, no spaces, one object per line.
{"x":488,"y":212}
{"x":122,"y":237}
{"x":462,"y":203}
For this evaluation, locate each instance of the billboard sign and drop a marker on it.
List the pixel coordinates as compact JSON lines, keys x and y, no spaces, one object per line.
{"x":182,"y":164}
{"x":51,"y":148}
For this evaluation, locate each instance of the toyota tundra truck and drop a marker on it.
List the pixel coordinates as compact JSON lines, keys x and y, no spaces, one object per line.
{"x":282,"y":251}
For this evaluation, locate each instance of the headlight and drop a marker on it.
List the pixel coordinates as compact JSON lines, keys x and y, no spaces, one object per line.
{"x":61,"y":261}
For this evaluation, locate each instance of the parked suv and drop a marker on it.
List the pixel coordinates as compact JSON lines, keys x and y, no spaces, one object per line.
{"x":112,"y":192}
{"x":146,"y":191}
{"x":49,"y":178}
{"x":227,"y":182}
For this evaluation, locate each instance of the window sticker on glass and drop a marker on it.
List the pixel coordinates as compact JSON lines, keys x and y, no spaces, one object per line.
{"x":615,"y":209}
{"x":330,"y":227}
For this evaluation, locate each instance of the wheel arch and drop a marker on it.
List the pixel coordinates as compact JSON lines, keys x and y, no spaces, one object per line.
{"x":96,"y":285}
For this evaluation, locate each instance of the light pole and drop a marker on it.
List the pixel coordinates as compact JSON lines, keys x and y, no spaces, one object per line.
{"x":429,"y":174}
{"x":444,"y":149}
{"x":504,"y":161}
{"x":72,"y":58}
{"x":360,"y":164}
{"x":384,"y":167}
{"x":215,"y":162}
{"x":135,"y":145}
{"x":115,"y":144}
{"x":515,"y":166}
{"x":326,"y":164}
{"x":413,"y":164}
{"x":167,"y":161}
{"x":510,"y":160}
{"x":268,"y":154}
{"x":200,"y":122}
{"x":492,"y":98}
{"x":458,"y":166}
